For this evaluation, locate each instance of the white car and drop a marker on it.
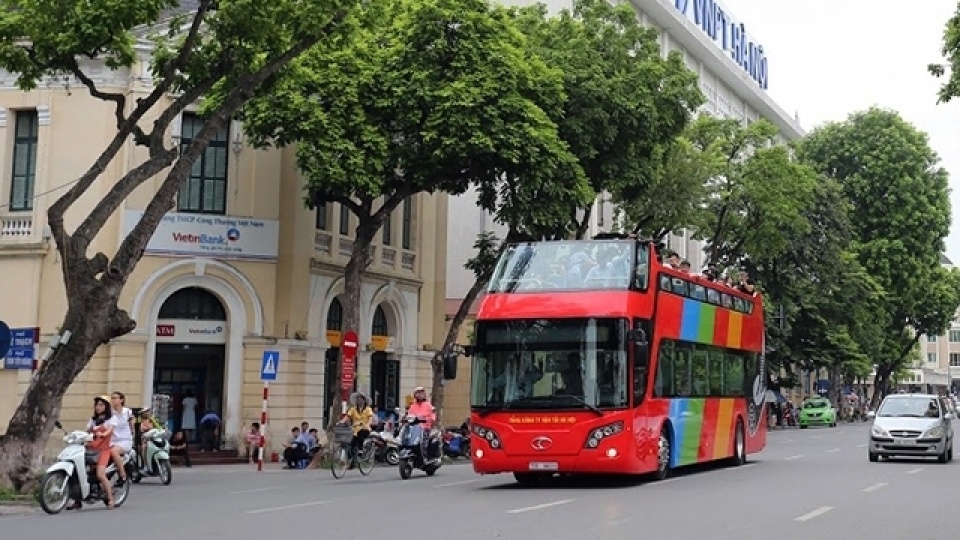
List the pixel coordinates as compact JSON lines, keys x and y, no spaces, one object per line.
{"x":916,"y":425}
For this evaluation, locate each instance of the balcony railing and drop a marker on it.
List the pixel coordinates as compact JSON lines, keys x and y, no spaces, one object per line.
{"x":336,"y":248}
{"x":16,"y":228}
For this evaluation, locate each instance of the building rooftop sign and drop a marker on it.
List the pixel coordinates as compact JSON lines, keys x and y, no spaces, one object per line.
{"x":729,"y":34}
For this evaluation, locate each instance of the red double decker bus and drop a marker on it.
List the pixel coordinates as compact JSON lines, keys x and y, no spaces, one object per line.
{"x":593,"y":356}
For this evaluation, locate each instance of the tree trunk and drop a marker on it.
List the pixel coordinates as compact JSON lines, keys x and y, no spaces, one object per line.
{"x":92,"y":318}
{"x":352,"y":296}
{"x":454,"y":331}
{"x":880,"y":383}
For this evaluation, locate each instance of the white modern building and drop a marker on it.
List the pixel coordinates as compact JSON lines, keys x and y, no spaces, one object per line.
{"x":734,"y":76}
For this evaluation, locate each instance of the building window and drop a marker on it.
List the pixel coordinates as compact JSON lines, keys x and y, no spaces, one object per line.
{"x":335,"y":316}
{"x":206,"y":189}
{"x":954,"y":359}
{"x":931,"y":339}
{"x":193,"y":303}
{"x":955,"y":336}
{"x":379,"y":322}
{"x":406,"y":240}
{"x":932,"y":358}
{"x":344,"y":219}
{"x":388,"y":230}
{"x":322,"y":217}
{"x":25,"y":136}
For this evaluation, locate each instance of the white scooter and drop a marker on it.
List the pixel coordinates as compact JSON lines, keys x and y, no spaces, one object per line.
{"x":156,"y":461}
{"x":74,"y":476}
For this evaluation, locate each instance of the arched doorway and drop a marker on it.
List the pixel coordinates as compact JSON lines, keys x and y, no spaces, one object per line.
{"x":190,"y":354}
{"x":384,"y":367}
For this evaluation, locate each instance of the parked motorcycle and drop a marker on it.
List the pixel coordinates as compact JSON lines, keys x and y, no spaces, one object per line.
{"x":456,"y":444}
{"x":74,"y":476}
{"x":418,"y":450}
{"x":387,"y":447}
{"x":156,"y":458}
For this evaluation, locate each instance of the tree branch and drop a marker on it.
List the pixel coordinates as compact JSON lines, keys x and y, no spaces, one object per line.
{"x":131,"y":249}
{"x":119,"y":100}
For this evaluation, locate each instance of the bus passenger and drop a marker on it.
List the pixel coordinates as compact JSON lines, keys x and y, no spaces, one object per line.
{"x":572,"y":376}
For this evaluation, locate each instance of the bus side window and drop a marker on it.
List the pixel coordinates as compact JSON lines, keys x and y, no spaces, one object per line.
{"x":733,"y":375}
{"x":698,"y":292}
{"x":663,"y":383}
{"x":713,"y":296}
{"x":681,"y":373}
{"x":716,"y":372}
{"x":699,"y":380}
{"x":665,"y":283}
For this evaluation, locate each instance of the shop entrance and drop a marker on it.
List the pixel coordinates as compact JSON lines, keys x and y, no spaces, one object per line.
{"x":190,"y":361}
{"x":384,"y":383}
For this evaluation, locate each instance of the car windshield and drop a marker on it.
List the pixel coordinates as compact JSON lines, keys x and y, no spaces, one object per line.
{"x":817,"y":404}
{"x":916,"y":407}
{"x":550,"y":363}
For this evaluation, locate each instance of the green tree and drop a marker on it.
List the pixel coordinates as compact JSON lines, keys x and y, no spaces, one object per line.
{"x":625,"y":101}
{"x":673,"y":195}
{"x":221,"y":54}
{"x":756,"y":192}
{"x":900,"y":212}
{"x":428,"y":96}
{"x":951,"y":52}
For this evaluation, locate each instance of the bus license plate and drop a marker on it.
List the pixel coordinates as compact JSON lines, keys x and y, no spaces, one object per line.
{"x":905,"y":442}
{"x":543,"y":466}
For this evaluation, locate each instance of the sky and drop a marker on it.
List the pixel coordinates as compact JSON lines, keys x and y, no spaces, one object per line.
{"x":829,"y":58}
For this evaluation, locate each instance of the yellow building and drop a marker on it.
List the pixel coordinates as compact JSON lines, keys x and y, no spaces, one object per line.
{"x":238,"y":268}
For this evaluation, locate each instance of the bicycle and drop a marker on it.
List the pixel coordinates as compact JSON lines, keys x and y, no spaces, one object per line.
{"x":365,"y":459}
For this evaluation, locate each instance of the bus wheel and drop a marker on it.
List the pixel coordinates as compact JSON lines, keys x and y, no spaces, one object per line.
{"x":663,"y":457}
{"x":739,"y":446}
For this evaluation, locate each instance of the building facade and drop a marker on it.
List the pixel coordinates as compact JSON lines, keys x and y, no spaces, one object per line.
{"x":940,"y":356}
{"x":734,"y":76}
{"x":239,"y":267}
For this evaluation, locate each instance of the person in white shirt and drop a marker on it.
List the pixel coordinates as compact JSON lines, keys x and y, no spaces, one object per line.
{"x":122,"y":422}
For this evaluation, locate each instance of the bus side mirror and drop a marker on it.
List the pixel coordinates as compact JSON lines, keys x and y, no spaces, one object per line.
{"x":450,"y":366}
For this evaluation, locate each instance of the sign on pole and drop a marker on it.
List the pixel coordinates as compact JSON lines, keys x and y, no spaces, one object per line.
{"x":22,"y":348}
{"x":270,"y":365}
{"x":348,"y":347}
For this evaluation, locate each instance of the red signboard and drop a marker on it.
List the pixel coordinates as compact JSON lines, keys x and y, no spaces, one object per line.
{"x":348,"y":347}
{"x":166,"y":330}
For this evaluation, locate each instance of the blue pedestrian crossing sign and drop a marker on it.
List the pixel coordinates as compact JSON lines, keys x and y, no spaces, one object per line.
{"x":270,"y":365}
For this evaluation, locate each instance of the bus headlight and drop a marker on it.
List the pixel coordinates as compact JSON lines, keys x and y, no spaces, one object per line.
{"x":488,"y":435}
{"x":602,"y":432}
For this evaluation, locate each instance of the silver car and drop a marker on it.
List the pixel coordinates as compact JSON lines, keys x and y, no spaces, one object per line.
{"x":916,"y":425}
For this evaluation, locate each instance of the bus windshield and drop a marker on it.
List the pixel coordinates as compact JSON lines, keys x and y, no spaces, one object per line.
{"x":570,"y":265}
{"x":550,"y":364}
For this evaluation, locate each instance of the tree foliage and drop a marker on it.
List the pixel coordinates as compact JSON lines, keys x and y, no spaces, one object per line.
{"x":425,"y":96}
{"x":900,"y":215}
{"x":219,"y":55}
{"x":624,"y":100}
{"x":756,"y":191}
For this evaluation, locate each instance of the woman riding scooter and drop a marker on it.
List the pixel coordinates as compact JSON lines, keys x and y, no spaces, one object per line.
{"x":102,"y":431}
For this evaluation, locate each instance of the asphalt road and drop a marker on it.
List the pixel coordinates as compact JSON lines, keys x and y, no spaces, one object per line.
{"x":814,"y":483}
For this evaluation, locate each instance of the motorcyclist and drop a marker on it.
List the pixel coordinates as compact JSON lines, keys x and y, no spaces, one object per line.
{"x":426,"y":412}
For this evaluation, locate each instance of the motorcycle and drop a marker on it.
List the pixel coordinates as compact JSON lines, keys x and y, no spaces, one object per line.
{"x":418,"y":450}
{"x":74,"y":476}
{"x":387,"y":447}
{"x":156,"y":461}
{"x":456,"y":444}
{"x":156,"y":458}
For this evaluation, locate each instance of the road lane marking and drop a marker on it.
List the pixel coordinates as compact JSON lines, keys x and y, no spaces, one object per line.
{"x":791,"y":458}
{"x":460,"y":483}
{"x":817,"y":437}
{"x":539,"y":506}
{"x":832,"y":450}
{"x":257,"y":490}
{"x":871,"y":489}
{"x":287,"y":507}
{"x":818,"y":512}
{"x":864,"y":445}
{"x":915,"y":471}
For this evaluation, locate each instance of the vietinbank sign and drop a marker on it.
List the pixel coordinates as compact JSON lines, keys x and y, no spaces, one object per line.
{"x":210,"y":235}
{"x":729,"y":34}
